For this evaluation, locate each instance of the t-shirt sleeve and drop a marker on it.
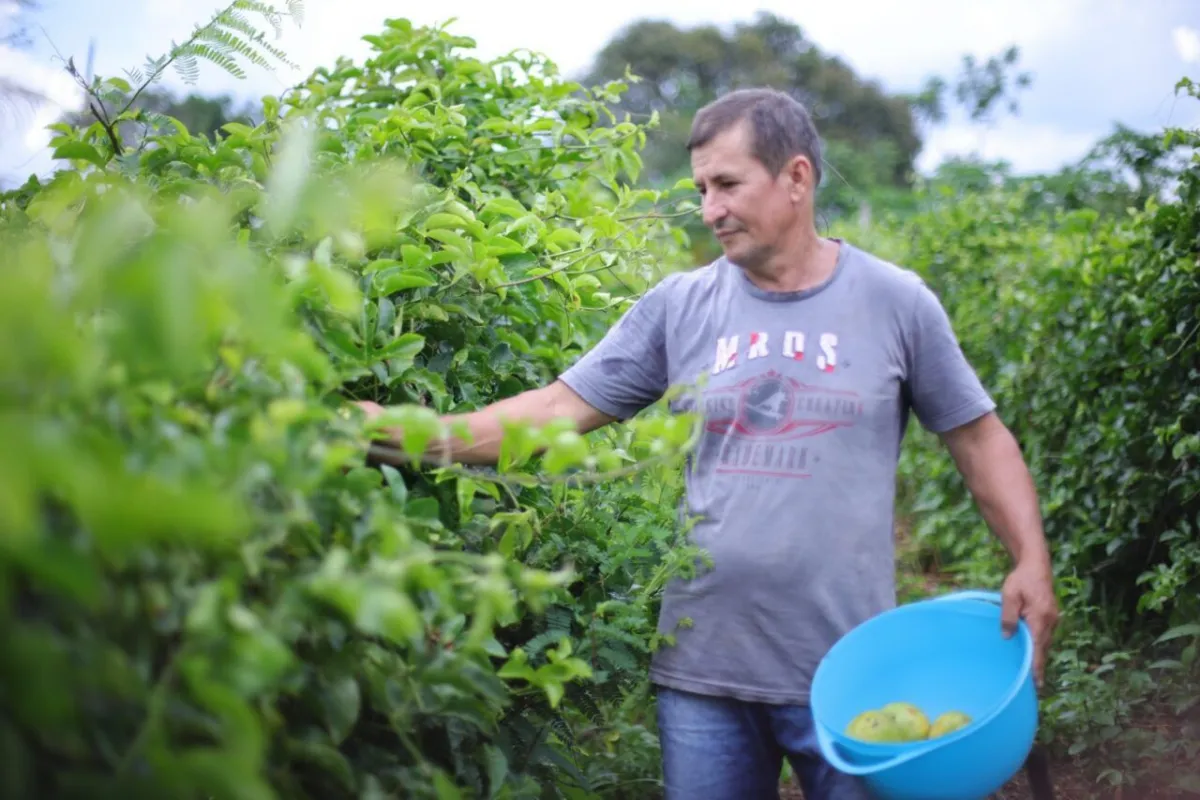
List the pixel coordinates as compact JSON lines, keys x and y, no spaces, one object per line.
{"x":627,"y":370}
{"x":943,"y":388}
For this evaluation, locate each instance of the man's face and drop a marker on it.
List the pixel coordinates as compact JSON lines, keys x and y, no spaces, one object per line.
{"x":751,"y":211}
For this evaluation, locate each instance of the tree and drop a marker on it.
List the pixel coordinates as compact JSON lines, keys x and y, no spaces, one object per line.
{"x":679,"y":69}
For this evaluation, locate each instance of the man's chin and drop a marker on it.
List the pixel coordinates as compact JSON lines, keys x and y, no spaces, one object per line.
{"x":739,"y":256}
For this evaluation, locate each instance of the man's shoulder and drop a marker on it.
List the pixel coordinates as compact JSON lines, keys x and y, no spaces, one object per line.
{"x":691,"y":284}
{"x":885,"y":274}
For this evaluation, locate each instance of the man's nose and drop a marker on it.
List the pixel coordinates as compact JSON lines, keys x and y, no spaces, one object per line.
{"x":713,"y":210}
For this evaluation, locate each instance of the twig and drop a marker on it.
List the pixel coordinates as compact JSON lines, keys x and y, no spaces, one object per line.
{"x":555,"y":271}
{"x":99,"y":113}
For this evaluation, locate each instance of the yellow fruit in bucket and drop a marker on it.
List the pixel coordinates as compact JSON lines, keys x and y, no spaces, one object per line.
{"x":910,"y":720}
{"x":875,"y":726}
{"x":948,"y":723}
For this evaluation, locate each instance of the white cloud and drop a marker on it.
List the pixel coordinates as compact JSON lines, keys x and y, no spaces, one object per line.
{"x":1187,"y":43}
{"x":1026,"y":146}
{"x":903,"y":43}
{"x":59,"y":94}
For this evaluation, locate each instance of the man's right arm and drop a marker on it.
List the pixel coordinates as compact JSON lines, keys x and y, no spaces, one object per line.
{"x":538,"y":407}
{"x":625,"y":372}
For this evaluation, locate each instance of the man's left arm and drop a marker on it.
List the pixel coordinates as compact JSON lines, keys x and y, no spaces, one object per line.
{"x":949,"y":400}
{"x":990,"y":461}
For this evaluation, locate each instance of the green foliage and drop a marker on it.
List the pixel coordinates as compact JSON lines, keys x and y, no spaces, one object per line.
{"x":203,"y":590}
{"x":1086,"y":328}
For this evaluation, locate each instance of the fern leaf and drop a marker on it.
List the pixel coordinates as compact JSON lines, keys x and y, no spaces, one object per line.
{"x":163,"y":122}
{"x":296,"y":10}
{"x":537,"y":644}
{"x":618,"y":657}
{"x":560,"y":727}
{"x":187,"y":68}
{"x":227,"y":43}
{"x":267,"y":11}
{"x":608,"y":632}
{"x":585,"y":701}
{"x":559,"y":618}
{"x":220,"y":59}
{"x":233,"y":21}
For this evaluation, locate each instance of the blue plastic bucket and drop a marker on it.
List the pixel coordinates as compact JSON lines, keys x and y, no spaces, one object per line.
{"x":940,"y":654}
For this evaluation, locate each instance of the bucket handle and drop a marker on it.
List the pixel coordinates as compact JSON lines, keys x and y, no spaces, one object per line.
{"x":830,"y":750}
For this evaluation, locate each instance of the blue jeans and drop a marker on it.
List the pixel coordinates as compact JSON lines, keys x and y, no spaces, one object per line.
{"x":717,"y":748}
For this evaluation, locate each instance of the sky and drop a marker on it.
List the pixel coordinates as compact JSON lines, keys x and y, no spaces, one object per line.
{"x":1094,"y":62}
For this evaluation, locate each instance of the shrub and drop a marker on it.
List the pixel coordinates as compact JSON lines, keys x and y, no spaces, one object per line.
{"x":204,"y":591}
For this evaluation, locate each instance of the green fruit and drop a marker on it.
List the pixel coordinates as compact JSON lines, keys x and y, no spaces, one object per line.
{"x":948,"y":723}
{"x":910,"y":720}
{"x":874,"y":726}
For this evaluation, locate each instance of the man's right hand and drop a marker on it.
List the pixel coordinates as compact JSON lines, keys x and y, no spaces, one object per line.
{"x":372,"y":410}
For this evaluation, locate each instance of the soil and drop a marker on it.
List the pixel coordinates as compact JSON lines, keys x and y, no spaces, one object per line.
{"x":1071,"y":780}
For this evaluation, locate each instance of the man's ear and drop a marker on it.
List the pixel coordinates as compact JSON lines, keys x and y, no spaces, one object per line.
{"x":801,"y":175}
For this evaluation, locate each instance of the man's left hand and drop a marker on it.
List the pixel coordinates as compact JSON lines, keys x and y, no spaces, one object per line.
{"x":1028,"y":593}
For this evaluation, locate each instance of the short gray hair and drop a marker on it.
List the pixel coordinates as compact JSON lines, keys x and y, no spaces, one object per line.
{"x":781,"y":126}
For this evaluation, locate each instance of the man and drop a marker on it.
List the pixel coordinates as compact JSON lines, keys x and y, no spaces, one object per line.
{"x":810,"y":353}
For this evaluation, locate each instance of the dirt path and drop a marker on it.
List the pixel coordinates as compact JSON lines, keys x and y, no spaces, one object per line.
{"x":1071,"y":781}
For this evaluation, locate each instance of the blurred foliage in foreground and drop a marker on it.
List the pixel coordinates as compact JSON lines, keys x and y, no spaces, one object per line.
{"x":203,"y":591}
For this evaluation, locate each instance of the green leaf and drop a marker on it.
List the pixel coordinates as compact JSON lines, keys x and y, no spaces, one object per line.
{"x":342,"y":702}
{"x":566,"y":449}
{"x":503,"y":246}
{"x":504,"y":206}
{"x":289,"y":177}
{"x":443,"y":220}
{"x":79,"y":150}
{"x":419,"y":426}
{"x":325,"y":758}
{"x":446,"y":790}
{"x":402,"y":351}
{"x":465,"y":489}
{"x":562,"y":238}
{"x":401,"y":279}
{"x":396,"y":481}
{"x":1189,"y":629}
{"x":384,"y":611}
{"x":497,"y":770}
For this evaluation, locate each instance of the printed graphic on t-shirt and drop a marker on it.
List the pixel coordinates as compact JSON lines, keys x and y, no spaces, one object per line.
{"x":767,"y":419}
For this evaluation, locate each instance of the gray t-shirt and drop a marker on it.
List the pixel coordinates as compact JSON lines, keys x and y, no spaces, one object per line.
{"x":805,"y":399}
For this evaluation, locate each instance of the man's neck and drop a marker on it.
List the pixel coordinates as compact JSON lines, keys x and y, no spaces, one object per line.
{"x":806,"y":263}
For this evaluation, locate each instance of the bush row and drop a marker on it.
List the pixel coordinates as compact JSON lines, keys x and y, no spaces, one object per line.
{"x":205,"y":591}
